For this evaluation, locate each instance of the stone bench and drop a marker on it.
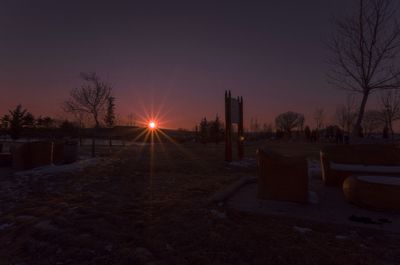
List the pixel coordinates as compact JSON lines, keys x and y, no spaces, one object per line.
{"x":341,"y":161}
{"x":380,"y":193}
{"x":282,"y":178}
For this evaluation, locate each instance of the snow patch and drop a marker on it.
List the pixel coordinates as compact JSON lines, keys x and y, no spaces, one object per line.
{"x":247,"y":162}
{"x":313,"y":197}
{"x":342,"y":237}
{"x":314,"y":168}
{"x":394,"y":181}
{"x":302,"y":230}
{"x":55,"y":169}
{"x":4,"y":226}
{"x":218,"y":214}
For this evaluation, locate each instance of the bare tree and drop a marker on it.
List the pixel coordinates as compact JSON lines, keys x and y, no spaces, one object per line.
{"x":346,"y":114}
{"x":254,"y":125}
{"x":90,"y":98}
{"x":267,"y":128}
{"x":288,"y":121}
{"x":373,"y":122}
{"x":319,"y":117}
{"x":364,"y":50}
{"x":81,"y":119}
{"x":390,"y":108}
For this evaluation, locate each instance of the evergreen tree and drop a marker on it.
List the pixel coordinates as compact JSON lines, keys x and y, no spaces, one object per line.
{"x":5,"y":121}
{"x":215,"y":130}
{"x":307,"y":133}
{"x":46,"y":122}
{"x":109,"y":118}
{"x":29,"y":120}
{"x":17,"y":121}
{"x":67,"y":127}
{"x":204,"y":130}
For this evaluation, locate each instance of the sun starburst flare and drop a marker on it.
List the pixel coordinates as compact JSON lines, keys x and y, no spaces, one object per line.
{"x":152,"y":125}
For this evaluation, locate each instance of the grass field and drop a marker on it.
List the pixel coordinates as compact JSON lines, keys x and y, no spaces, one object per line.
{"x":147,"y":205}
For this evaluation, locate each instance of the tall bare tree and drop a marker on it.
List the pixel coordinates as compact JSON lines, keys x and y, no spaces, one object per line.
{"x":90,"y":98}
{"x":390,"y":108}
{"x":364,"y":50}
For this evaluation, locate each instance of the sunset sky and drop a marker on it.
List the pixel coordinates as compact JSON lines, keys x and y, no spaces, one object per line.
{"x":176,"y":57}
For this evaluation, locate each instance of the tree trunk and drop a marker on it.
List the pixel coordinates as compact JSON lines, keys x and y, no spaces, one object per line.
{"x":93,"y":145}
{"x":357,"y":126}
{"x":391,"y":129}
{"x":94,"y":136}
{"x":80,"y":135}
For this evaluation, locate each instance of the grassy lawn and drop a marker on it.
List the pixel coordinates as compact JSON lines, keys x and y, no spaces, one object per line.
{"x":147,"y":205}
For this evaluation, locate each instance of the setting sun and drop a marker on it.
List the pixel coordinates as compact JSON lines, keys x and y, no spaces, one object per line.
{"x":152,"y":125}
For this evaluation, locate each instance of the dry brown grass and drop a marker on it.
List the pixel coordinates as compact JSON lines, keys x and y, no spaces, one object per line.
{"x":143,"y":209}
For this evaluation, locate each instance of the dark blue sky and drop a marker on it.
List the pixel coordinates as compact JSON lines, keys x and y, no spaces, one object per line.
{"x":177,"y":56}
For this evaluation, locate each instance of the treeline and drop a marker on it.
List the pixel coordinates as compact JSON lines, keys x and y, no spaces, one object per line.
{"x":91,"y":103}
{"x":292,"y":125}
{"x":19,"y":122}
{"x":209,"y":131}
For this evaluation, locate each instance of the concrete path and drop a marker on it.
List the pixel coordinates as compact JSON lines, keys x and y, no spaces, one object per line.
{"x":330,"y":207}
{"x":6,"y":172}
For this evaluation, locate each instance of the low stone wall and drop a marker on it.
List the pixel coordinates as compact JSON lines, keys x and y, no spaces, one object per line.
{"x":31,"y":155}
{"x":70,"y":152}
{"x":58,"y":152}
{"x":5,"y":159}
{"x":26,"y":156}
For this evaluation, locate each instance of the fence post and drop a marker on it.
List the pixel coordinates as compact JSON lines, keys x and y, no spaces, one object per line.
{"x":240,"y":130}
{"x":228,"y":127}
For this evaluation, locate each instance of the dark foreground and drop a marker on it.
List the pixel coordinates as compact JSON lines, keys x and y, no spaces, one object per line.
{"x":138,"y":208}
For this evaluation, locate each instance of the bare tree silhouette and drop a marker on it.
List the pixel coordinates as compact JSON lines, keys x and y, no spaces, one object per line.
{"x":346,"y":114}
{"x":319,"y":117}
{"x":90,"y":98}
{"x":373,"y":122}
{"x":288,"y":121}
{"x":364,"y":50}
{"x":390,"y":108}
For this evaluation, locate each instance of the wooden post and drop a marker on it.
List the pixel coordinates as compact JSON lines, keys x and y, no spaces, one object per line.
{"x":240,"y":130}
{"x":228,"y":127}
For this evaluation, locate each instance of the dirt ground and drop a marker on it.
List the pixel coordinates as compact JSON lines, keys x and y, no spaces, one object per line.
{"x":147,"y":205}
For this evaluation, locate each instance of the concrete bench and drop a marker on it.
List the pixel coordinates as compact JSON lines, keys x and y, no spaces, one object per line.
{"x":282,"y":178}
{"x":380,"y":193}
{"x":341,"y":161}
